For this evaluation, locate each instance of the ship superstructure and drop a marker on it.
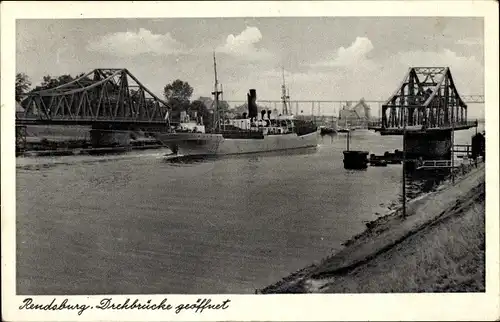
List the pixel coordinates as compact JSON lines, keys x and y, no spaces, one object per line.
{"x":253,"y":132}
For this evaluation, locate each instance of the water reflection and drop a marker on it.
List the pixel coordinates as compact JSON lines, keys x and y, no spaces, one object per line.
{"x":239,"y":222}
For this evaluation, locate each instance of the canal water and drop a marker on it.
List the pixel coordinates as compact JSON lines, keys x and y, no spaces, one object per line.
{"x":137,"y":224}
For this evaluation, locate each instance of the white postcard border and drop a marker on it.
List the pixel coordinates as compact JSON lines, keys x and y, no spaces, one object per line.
{"x":313,"y":307}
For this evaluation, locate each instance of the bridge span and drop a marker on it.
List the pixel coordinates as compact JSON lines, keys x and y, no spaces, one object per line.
{"x":426,"y":109}
{"x":112,"y":101}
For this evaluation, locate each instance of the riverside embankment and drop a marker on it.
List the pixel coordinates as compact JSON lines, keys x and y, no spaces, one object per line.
{"x":46,"y":140}
{"x":437,"y":247}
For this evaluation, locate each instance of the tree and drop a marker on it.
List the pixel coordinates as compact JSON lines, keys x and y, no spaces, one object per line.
{"x":23,"y":84}
{"x":178,"y":93}
{"x":223,"y":109}
{"x":49,"y":82}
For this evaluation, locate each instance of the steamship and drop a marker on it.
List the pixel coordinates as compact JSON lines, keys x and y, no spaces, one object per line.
{"x":252,"y":133}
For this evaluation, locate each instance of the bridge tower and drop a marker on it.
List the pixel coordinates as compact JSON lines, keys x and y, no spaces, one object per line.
{"x":426,"y":108}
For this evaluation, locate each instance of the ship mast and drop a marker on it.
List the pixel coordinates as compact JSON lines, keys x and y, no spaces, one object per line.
{"x":216,"y":94}
{"x":284,"y":95}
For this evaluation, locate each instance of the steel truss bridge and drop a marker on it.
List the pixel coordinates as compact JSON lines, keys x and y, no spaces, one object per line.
{"x":111,"y":96}
{"x":426,"y":100}
{"x":115,"y":97}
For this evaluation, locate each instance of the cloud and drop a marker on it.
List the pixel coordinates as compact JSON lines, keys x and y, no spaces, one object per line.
{"x":443,"y":58}
{"x":352,"y":56}
{"x":130,"y":43}
{"x":467,"y":71}
{"x":348,"y":73}
{"x":243,"y":45}
{"x":276,"y":75}
{"x":354,"y":53}
{"x":470,"y":41}
{"x":357,"y":80}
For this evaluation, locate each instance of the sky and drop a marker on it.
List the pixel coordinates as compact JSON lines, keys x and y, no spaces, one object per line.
{"x":325,"y":58}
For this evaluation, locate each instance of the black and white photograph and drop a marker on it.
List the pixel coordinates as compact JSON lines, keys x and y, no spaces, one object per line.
{"x":248,"y":154}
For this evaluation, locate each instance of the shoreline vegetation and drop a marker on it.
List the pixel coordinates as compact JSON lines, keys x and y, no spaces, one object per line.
{"x":438,"y":247}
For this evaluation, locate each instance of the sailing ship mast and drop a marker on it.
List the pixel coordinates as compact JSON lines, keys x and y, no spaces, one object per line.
{"x":284,"y":95}
{"x":216,"y":94}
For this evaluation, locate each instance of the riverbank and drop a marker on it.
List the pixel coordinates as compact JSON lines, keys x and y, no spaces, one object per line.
{"x":49,"y":140}
{"x":437,"y":247}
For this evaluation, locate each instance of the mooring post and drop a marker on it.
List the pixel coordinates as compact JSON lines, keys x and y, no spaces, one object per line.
{"x":404,"y":163}
{"x":348,"y":138}
{"x":452,"y":155}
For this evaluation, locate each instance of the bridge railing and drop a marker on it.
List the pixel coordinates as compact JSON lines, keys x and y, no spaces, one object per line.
{"x":466,"y":124}
{"x":462,"y":148}
{"x":436,"y":163}
{"x":57,"y":118}
{"x":457,"y":124}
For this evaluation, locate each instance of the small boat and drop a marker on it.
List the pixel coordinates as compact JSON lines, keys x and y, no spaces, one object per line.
{"x":377,"y":161}
{"x":345,"y":129}
{"x":356,"y":160}
{"x":326,"y":130}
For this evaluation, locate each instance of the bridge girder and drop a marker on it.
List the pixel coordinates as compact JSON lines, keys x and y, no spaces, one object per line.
{"x":101,"y":95}
{"x":427,"y":98}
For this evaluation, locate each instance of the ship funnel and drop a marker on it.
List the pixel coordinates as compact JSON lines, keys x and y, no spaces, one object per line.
{"x":262,"y":113}
{"x":252,"y":105}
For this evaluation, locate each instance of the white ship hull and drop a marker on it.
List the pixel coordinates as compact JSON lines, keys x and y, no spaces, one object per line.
{"x":216,"y":144}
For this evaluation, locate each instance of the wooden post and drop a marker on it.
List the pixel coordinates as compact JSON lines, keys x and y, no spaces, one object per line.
{"x":404,"y":165}
{"x":348,"y":138}
{"x":452,"y":153}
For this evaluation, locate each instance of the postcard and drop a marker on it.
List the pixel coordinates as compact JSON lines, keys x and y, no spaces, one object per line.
{"x":250,"y":161}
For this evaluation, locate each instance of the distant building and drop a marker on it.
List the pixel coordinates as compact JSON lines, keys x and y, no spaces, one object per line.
{"x":230,"y":114}
{"x":240,"y":109}
{"x":357,"y":115}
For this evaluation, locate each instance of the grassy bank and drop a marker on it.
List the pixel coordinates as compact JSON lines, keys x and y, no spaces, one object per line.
{"x":437,"y":247}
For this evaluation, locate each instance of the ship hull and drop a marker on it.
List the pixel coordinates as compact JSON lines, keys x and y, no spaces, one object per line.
{"x":216,"y":144}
